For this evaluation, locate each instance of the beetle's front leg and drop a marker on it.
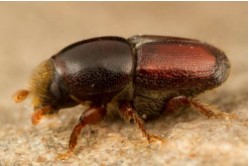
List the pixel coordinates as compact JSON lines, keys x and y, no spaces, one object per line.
{"x":91,"y":116}
{"x":204,"y":109}
{"x":128,"y":112}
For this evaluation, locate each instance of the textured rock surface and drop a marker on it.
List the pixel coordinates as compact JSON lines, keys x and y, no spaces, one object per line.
{"x":31,"y":32}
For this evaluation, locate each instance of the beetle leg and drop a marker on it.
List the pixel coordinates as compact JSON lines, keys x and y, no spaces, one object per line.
{"x":91,"y":116}
{"x":128,"y":112}
{"x":204,"y":109}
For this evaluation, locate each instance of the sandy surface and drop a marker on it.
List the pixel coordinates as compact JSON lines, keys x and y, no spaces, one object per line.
{"x":32,"y":32}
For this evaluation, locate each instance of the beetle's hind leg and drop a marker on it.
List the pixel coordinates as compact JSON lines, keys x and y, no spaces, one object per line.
{"x":128,"y":112}
{"x":204,"y":109}
{"x":91,"y":116}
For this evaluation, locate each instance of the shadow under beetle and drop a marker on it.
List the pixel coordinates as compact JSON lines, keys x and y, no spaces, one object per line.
{"x":142,"y":75}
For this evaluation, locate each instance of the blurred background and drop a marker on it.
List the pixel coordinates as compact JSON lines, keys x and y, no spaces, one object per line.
{"x":33,"y":31}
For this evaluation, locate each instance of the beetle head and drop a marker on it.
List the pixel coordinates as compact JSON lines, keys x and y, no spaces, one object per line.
{"x":39,"y":90}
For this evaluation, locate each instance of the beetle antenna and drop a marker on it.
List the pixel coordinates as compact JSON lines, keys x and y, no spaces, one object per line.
{"x":37,"y":115}
{"x":20,"y":95}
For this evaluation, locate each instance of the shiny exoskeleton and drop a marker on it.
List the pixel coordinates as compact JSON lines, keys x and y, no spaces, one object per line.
{"x":141,"y":76}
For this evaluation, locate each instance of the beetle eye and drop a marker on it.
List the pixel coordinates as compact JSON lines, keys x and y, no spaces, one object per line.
{"x":54,"y":88}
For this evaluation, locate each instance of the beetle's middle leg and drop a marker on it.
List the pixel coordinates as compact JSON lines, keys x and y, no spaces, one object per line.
{"x":92,"y":115}
{"x":204,"y":109}
{"x":128,"y":112}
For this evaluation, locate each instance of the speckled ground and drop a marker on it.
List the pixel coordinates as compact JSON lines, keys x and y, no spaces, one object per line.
{"x":31,"y":32}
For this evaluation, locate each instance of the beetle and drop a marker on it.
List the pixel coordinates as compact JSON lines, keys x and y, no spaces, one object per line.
{"x":142,"y":76}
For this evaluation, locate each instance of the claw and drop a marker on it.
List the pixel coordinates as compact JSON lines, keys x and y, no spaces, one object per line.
{"x":64,"y":156}
{"x":153,"y":138}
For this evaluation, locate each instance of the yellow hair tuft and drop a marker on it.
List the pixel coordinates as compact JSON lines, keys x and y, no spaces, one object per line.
{"x":40,"y":82}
